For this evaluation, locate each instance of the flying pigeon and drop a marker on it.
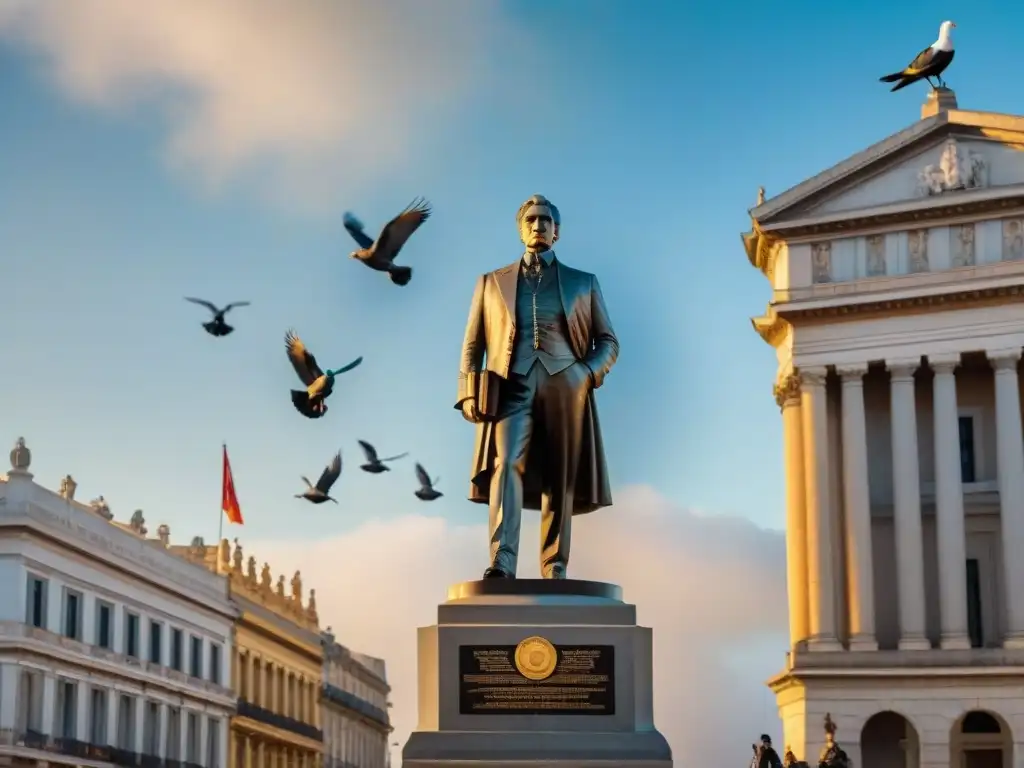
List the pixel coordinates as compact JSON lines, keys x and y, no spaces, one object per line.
{"x":929,"y":63}
{"x":319,"y":385}
{"x":217,"y":326}
{"x":375,"y":465}
{"x":318,"y":493}
{"x":426,"y":490}
{"x":381,"y":255}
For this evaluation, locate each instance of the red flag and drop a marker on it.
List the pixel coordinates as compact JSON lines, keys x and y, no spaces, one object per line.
{"x":229,"y":501}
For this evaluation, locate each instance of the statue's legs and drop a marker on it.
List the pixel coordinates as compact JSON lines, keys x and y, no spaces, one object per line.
{"x":512,"y":435}
{"x":561,"y":403}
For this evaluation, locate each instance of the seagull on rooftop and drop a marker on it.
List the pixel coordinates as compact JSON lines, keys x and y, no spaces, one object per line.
{"x":929,"y":63}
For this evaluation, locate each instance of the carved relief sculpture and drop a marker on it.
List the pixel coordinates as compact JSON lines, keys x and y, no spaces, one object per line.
{"x":266,"y":580}
{"x":821,"y":262}
{"x":138,"y":522}
{"x":876,"y":256}
{"x":917,"y":250}
{"x":236,"y":564}
{"x":1013,"y":240}
{"x":958,"y":168}
{"x":250,"y":569}
{"x":963,"y":245}
{"x":67,"y":488}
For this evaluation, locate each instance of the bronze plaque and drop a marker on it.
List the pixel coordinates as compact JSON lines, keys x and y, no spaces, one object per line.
{"x":537,"y":678}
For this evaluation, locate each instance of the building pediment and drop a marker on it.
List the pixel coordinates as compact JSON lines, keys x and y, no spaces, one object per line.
{"x":952,"y":153}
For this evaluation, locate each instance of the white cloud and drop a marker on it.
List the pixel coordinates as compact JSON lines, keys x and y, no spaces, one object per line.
{"x":322,"y":92}
{"x":713,"y":589}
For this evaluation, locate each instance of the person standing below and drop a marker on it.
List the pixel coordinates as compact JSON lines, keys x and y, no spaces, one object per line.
{"x":538,"y":342}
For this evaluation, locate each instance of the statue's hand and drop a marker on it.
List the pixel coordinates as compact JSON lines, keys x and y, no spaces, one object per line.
{"x":469,"y":410}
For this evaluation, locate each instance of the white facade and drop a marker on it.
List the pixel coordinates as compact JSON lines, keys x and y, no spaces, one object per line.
{"x":897,"y":319}
{"x":354,"y":708}
{"x":107,"y":640}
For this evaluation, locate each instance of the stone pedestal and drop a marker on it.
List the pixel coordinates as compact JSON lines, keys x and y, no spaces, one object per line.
{"x":534,"y":672}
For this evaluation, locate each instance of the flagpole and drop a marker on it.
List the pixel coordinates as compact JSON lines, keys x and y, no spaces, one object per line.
{"x":220,"y":528}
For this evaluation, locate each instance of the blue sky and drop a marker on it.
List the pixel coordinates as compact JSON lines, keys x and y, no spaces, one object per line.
{"x":651,"y":129}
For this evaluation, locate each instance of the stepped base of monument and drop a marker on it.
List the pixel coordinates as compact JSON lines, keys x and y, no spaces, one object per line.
{"x":516,"y":749}
{"x":532,"y":672}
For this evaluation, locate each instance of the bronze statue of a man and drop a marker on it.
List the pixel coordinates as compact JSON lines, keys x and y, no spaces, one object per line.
{"x":538,"y":342}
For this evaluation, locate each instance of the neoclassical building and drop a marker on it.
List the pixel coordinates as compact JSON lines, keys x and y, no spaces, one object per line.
{"x":278,"y":662}
{"x":354,"y":702}
{"x":896,"y":314}
{"x":112,"y":649}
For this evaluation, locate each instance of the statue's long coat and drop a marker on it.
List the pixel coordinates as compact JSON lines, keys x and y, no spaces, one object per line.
{"x":490,"y":335}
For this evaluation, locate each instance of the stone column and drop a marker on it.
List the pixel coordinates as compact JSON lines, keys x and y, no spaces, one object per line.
{"x":113,"y":699}
{"x":248,"y":750}
{"x":138,"y":746}
{"x":10,"y":682}
{"x":857,"y":503}
{"x":49,"y":703}
{"x":204,"y":741}
{"x":82,"y":711}
{"x":163,"y":724}
{"x":787,"y":395}
{"x":1010,"y":450}
{"x":949,"y":506}
{"x":250,"y":681}
{"x":907,"y":506}
{"x":820,"y":580}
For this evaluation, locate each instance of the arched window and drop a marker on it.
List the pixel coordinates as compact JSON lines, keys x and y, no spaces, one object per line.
{"x":979,"y":722}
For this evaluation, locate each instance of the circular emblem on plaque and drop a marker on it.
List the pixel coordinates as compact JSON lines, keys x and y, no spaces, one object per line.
{"x":536,"y":658}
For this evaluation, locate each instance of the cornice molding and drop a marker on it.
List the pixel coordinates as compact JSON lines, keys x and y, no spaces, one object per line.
{"x":770,"y":327}
{"x":944,"y":301}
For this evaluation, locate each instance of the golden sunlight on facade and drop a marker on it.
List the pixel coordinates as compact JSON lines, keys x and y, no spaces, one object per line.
{"x":278,"y":664}
{"x":896,"y":316}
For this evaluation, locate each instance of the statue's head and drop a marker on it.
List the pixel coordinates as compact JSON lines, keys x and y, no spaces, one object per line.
{"x":539,"y":223}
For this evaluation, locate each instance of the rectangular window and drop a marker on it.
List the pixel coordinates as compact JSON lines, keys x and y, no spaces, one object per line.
{"x":98,"y":726}
{"x":967,"y":457}
{"x":192,"y":755}
{"x":173,"y":744}
{"x":131,"y":634}
{"x":72,"y":614}
{"x":156,"y":632}
{"x":104,"y":624}
{"x":974,"y":625}
{"x":213,"y":744}
{"x":177,"y":648}
{"x":126,"y":723}
{"x":151,"y":729}
{"x":30,"y":702}
{"x":195,"y":667}
{"x":67,"y":701}
{"x":215,"y":663}
{"x":35,"y":614}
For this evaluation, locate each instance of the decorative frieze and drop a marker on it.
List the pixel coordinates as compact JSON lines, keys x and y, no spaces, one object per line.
{"x":821,"y":262}
{"x":962,"y":246}
{"x":876,"y":262}
{"x":1013,"y":239}
{"x":917,"y":251}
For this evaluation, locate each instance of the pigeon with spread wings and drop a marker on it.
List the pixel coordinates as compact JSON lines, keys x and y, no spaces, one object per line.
{"x":310,"y":402}
{"x":426,"y":490}
{"x":320,"y":492}
{"x":217,"y":326}
{"x":374,"y":464}
{"x":929,"y":63}
{"x":380,"y":255}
